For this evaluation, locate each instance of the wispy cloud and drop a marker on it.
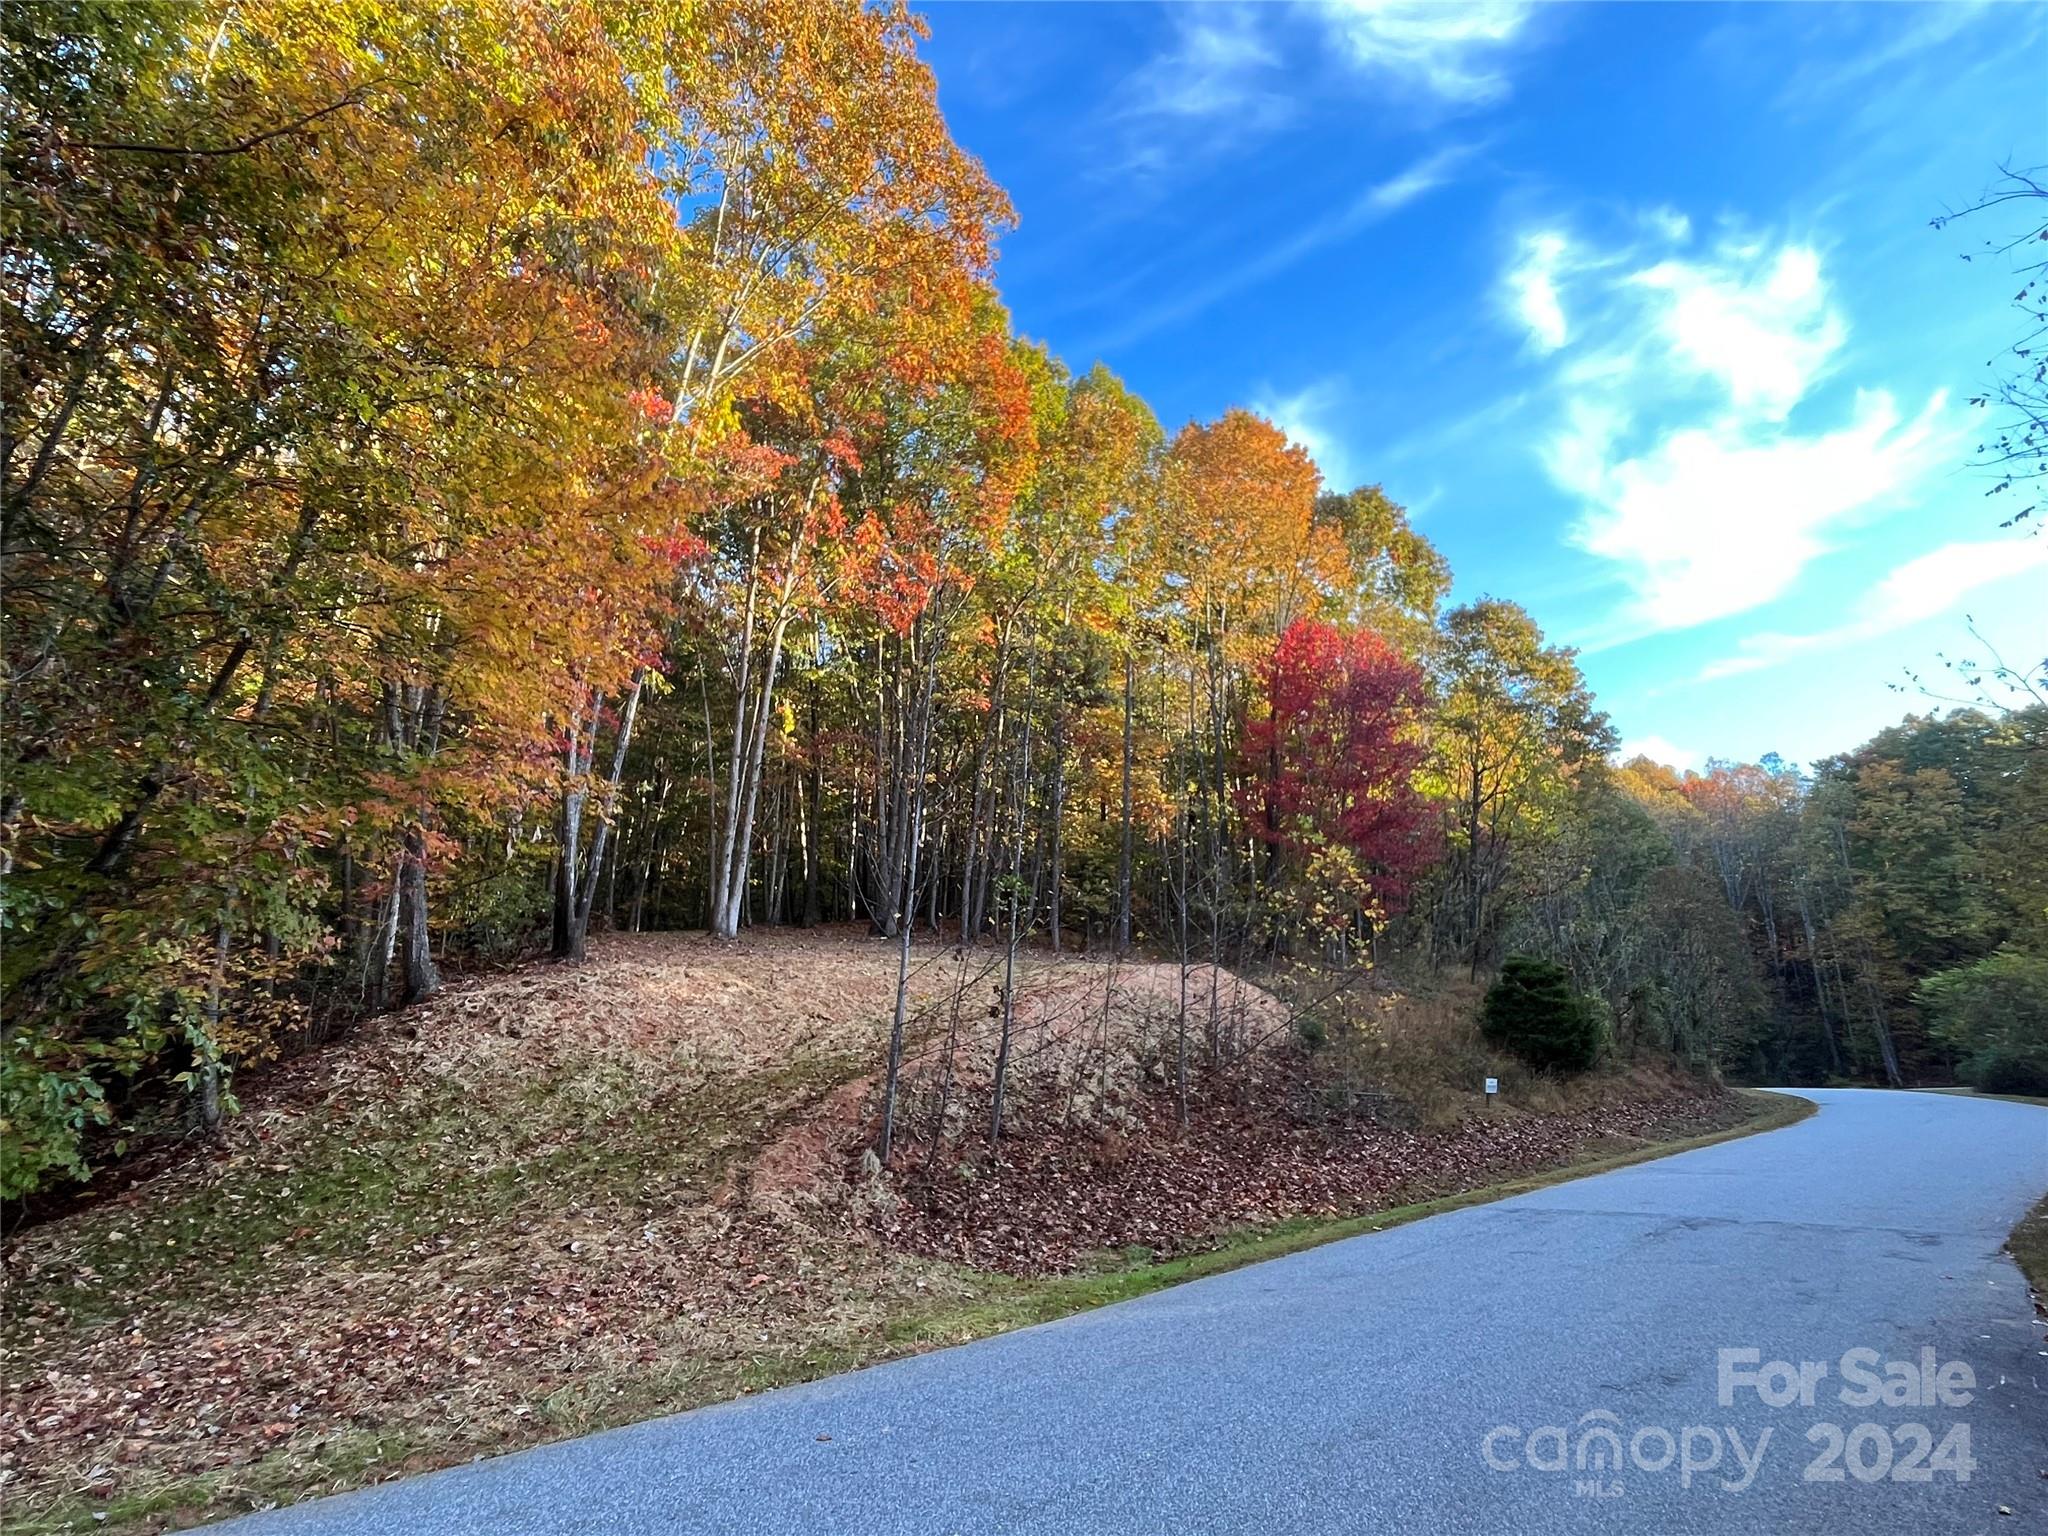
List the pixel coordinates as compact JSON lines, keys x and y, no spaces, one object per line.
{"x":1305,"y":416}
{"x":1668,"y":224}
{"x":1532,"y":288}
{"x":1923,"y":588}
{"x":1221,"y":62}
{"x":1231,"y":74}
{"x":1369,"y":207}
{"x":1431,"y":444}
{"x":1905,"y":35}
{"x":1716,"y":519}
{"x":1685,"y":389}
{"x":1456,"y":52}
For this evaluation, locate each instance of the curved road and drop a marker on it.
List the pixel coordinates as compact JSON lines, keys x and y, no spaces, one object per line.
{"x":1429,"y":1378}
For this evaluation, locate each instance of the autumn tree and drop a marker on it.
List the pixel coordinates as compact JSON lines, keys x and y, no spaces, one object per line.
{"x":1332,"y":759}
{"x":308,"y":326}
{"x":1396,"y":578}
{"x":820,"y":184}
{"x":1515,"y":728}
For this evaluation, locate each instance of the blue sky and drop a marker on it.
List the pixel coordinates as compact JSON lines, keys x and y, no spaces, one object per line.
{"x":1636,"y":307}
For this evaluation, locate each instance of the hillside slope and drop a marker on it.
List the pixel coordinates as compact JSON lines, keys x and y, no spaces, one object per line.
{"x":555,"y":1199}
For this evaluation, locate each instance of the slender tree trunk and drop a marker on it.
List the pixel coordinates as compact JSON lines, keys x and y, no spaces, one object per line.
{"x":650,"y":848}
{"x":733,"y":856}
{"x":206,"y":1096}
{"x":1059,"y":796}
{"x":711,"y":782}
{"x":742,"y":859}
{"x":916,"y":736}
{"x":1474,"y":900}
{"x":905,"y":907}
{"x":983,"y":799}
{"x":1009,"y":1004}
{"x":937,"y":1140}
{"x":1180,"y":1042}
{"x":724,"y":923}
{"x":377,"y":953}
{"x":814,"y":824}
{"x":1820,"y":991}
{"x":778,"y":853}
{"x":569,"y":860}
{"x":580,"y":928}
{"x":1123,"y":859}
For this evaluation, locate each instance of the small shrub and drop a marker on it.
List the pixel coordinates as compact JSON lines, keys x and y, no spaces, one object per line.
{"x":1994,"y":1015}
{"x":2017,"y":1072}
{"x":1533,"y":1011}
{"x":49,"y":1099}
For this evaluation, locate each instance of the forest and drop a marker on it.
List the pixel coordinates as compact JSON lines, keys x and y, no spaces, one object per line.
{"x":485,"y":477}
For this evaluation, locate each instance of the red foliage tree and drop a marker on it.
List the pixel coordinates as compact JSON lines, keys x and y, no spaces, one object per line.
{"x":1332,"y":771}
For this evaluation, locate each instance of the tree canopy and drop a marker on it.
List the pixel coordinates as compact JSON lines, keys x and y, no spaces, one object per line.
{"x":481,"y":474}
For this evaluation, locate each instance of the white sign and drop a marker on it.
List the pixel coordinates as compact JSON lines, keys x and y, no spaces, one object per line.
{"x":1493,"y":1085}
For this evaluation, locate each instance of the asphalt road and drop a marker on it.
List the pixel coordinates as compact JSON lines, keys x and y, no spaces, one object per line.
{"x":1428,"y":1378}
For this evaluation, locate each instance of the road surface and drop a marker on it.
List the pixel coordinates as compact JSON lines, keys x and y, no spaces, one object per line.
{"x":1453,"y":1375}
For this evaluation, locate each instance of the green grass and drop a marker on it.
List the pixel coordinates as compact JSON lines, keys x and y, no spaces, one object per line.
{"x":2028,"y":1246}
{"x":345,"y":1460}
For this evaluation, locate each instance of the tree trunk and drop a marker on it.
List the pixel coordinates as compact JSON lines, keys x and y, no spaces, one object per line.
{"x":814,"y":825}
{"x":609,"y":812}
{"x":1123,"y":858}
{"x":422,"y":976}
{"x":1059,"y":796}
{"x":917,"y":738}
{"x":724,"y":924}
{"x":1820,"y":991}
{"x":377,"y":953}
{"x":995,"y":1117}
{"x":565,"y":945}
{"x":1474,"y":900}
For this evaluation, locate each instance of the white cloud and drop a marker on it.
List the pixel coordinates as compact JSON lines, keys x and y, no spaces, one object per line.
{"x":1221,"y":64}
{"x":1923,"y":588}
{"x":1226,"y":63}
{"x":1686,"y":390}
{"x":1533,"y":292}
{"x":1932,"y":584}
{"x":1305,"y":417}
{"x":1716,"y":519}
{"x":1761,"y":326}
{"x":1417,"y":180}
{"x":1453,"y":51}
{"x":1658,"y":750}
